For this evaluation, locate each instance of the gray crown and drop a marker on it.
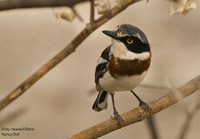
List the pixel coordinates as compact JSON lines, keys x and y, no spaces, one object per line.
{"x":130,"y":30}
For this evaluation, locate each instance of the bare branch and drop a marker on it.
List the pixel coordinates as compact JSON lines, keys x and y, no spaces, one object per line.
{"x":139,"y":114}
{"x":12,"y":116}
{"x":189,"y":117}
{"x":92,"y":12}
{"x":77,"y":14}
{"x":70,"y":48}
{"x":152,"y":127}
{"x":17,"y":4}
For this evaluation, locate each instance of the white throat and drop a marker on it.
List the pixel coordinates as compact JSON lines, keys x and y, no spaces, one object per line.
{"x":119,"y":50}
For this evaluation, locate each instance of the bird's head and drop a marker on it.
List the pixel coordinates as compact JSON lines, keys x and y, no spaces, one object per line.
{"x":128,"y":39}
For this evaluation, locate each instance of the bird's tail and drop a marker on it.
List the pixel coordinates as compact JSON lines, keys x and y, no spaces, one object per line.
{"x":101,"y":101}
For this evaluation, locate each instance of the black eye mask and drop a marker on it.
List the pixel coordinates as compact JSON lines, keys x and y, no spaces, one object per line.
{"x":137,"y":46}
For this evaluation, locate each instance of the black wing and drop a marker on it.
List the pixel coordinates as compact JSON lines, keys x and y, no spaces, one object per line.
{"x":102,"y":64}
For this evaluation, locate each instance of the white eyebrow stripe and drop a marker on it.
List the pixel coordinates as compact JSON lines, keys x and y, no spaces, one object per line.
{"x":138,"y":36}
{"x":120,"y":34}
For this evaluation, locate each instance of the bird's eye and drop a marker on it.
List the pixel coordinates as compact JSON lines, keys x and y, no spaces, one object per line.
{"x":129,"y":41}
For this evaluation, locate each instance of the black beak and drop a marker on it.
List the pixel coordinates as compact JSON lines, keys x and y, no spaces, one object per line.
{"x":112,"y":34}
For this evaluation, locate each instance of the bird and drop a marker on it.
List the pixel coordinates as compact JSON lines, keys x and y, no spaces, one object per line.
{"x":122,"y":66}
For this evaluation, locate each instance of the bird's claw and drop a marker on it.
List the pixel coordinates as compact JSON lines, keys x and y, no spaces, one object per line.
{"x":118,"y":118}
{"x":145,"y":106}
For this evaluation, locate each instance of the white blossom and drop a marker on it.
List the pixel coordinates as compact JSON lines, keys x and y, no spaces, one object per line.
{"x":66,"y":13}
{"x":102,"y":6}
{"x":182,"y":6}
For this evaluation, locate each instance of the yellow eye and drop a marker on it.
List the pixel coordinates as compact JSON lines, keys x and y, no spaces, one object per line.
{"x":129,"y":40}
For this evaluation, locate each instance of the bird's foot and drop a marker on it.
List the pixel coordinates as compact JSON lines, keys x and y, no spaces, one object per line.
{"x":145,"y":106}
{"x":118,"y":118}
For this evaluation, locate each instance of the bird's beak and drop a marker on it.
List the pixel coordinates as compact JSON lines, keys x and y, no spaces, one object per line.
{"x":112,"y":34}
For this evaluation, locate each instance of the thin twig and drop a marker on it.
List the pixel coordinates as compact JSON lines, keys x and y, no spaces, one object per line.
{"x":70,"y":48}
{"x":139,"y":114}
{"x":152,"y":127}
{"x":18,"y":4}
{"x":12,"y":116}
{"x":189,"y":117}
{"x":77,"y":14}
{"x":92,"y":12}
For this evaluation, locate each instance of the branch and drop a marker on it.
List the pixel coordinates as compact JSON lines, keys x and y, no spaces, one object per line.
{"x":70,"y":48}
{"x":92,"y":12}
{"x":139,"y":114}
{"x":189,"y":117}
{"x":152,"y":127}
{"x":17,"y":4}
{"x":12,"y":116}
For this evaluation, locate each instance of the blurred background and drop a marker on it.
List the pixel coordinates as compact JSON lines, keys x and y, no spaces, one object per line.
{"x":60,"y":104}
